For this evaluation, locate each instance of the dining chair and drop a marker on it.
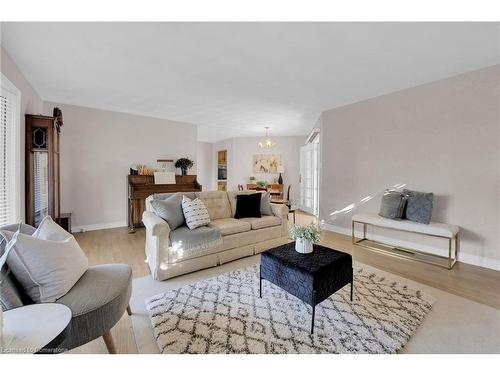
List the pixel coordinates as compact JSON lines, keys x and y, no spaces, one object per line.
{"x":288,"y":203}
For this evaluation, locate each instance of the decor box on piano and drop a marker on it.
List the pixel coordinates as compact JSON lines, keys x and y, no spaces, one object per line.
{"x":141,"y":186}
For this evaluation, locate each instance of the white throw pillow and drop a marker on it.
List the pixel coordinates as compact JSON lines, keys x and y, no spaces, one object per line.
{"x":48,"y":229}
{"x":195,"y":212}
{"x":48,"y":263}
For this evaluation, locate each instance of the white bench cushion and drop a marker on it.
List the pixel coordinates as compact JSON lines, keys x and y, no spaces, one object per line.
{"x":436,"y":229}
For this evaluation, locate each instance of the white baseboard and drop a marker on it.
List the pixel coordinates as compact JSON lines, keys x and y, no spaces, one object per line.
{"x":475,"y":260}
{"x":90,"y":227}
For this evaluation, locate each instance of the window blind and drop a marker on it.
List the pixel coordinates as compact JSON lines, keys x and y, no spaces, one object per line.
{"x":6,"y":161}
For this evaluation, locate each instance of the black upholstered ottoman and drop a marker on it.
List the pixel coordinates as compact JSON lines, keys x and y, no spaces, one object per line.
{"x":310,"y":277}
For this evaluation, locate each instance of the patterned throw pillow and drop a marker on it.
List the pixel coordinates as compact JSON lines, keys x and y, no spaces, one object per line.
{"x":195,"y":212}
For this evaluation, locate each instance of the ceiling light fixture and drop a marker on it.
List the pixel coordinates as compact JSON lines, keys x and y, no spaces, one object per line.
{"x":267,"y":142}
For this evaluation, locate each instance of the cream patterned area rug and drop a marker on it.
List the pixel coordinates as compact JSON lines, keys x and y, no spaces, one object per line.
{"x":224,"y":314}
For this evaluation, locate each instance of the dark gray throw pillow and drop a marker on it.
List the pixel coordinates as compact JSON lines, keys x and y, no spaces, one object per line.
{"x":418,"y":206}
{"x":170,"y":210}
{"x":392,"y":205}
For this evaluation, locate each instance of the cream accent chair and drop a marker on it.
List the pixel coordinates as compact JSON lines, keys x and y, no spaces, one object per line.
{"x":240,"y":237}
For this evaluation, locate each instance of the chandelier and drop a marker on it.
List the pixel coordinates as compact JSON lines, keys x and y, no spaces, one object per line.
{"x":267,"y":142}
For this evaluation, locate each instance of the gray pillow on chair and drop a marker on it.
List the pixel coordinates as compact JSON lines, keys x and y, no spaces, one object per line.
{"x":392,"y":205}
{"x":170,"y":210}
{"x":418,"y":206}
{"x":12,"y":294}
{"x":9,"y":295}
{"x":47,"y":263}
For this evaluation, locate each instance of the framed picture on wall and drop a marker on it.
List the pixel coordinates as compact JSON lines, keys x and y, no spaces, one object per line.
{"x":266,"y":163}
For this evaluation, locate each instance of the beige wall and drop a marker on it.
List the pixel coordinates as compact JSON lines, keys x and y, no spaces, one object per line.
{"x":205,"y":168}
{"x":240,"y":152}
{"x":287,"y":147}
{"x":442,"y":137}
{"x":30,"y":103}
{"x":97,"y":149}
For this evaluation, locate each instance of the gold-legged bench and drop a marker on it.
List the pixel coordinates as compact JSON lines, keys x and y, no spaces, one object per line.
{"x":436,"y":230}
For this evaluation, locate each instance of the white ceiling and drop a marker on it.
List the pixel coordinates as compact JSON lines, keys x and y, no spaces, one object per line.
{"x":232,"y":79}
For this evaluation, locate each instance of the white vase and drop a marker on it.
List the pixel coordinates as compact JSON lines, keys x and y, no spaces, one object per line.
{"x":303,"y":246}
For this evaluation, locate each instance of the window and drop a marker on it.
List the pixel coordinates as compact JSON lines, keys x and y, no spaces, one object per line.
{"x":309,"y":174}
{"x":9,"y":153}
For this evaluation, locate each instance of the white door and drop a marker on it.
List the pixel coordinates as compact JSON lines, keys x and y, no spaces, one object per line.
{"x":309,"y":178}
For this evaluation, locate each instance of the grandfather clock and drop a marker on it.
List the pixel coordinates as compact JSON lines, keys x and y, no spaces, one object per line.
{"x":42,"y":167}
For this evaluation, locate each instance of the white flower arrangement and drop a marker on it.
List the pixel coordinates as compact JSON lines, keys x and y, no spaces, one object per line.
{"x":309,"y":233}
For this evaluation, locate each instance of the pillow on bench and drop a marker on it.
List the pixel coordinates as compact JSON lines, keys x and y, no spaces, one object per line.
{"x":392,"y":205}
{"x":418,"y":206}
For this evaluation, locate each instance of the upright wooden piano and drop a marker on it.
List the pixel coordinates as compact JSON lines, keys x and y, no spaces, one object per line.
{"x":140,"y":187}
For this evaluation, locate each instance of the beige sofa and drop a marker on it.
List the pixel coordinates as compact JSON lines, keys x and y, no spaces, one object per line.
{"x":240,"y":237}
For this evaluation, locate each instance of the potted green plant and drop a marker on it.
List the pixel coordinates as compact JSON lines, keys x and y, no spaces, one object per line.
{"x":305,"y":237}
{"x":184,"y":164}
{"x":262,"y":183}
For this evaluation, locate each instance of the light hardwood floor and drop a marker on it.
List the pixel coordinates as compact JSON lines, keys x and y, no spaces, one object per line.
{"x":118,"y":246}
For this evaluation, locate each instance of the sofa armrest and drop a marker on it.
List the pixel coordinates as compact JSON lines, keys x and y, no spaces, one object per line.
{"x":155,"y":224}
{"x":157,"y":242}
{"x":280,"y":210}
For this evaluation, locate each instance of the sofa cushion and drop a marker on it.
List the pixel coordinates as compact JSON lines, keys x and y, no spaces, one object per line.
{"x":97,"y":302}
{"x":195,"y":212}
{"x":170,"y":210}
{"x":265,"y":206}
{"x":229,"y":226}
{"x":185,"y":244}
{"x":263,"y":222}
{"x":161,"y":196}
{"x":251,"y":237}
{"x":248,"y":205}
{"x":217,"y":204}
